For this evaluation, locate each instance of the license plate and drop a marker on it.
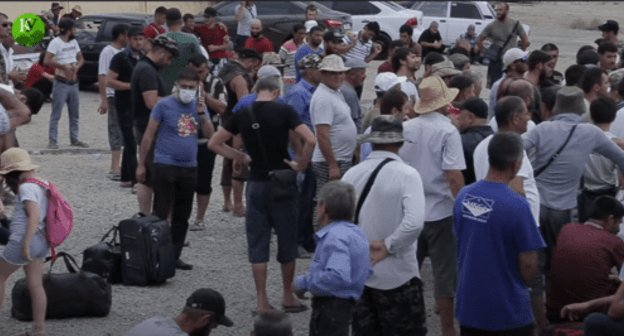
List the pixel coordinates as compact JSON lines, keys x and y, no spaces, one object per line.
{"x":347,"y":26}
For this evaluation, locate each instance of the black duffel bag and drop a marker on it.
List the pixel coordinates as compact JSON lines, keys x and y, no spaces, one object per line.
{"x":73,"y":294}
{"x":104,"y":258}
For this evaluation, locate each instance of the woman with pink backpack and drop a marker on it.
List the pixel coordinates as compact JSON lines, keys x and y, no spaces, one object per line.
{"x":27,"y":247}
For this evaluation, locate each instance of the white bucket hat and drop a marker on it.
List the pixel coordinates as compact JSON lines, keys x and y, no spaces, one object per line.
{"x":333,"y":63}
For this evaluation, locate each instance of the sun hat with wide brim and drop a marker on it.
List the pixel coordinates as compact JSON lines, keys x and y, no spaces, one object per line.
{"x":434,"y":94}
{"x":385,"y":129}
{"x":333,"y":63}
{"x":15,"y":159}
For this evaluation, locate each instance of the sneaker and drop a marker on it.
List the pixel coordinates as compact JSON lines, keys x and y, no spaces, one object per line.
{"x":197,"y":226}
{"x":53,"y":145}
{"x":114,"y":176}
{"x":80,"y":144}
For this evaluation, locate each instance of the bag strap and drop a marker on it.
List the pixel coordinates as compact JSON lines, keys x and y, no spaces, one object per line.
{"x":115,"y":228}
{"x":67,"y":258}
{"x":256,"y":127}
{"x":541,"y":170}
{"x":510,"y":35}
{"x":367,"y":188}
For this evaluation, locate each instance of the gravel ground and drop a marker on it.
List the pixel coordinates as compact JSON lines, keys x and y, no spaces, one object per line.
{"x":219,"y":253}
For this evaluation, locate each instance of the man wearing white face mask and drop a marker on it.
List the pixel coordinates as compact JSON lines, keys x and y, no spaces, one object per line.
{"x":174,"y":173}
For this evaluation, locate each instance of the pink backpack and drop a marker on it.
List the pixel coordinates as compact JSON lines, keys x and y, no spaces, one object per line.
{"x":60,"y":217}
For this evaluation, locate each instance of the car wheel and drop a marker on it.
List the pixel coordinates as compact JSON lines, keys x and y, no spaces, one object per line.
{"x":383,"y":39}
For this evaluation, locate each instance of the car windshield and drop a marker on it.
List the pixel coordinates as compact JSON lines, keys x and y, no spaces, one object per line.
{"x":394,"y":5}
{"x":491,"y":10}
{"x":87,"y":30}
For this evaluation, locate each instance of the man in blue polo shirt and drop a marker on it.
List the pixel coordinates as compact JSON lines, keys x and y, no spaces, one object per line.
{"x":315,"y":38}
{"x":497,"y":239}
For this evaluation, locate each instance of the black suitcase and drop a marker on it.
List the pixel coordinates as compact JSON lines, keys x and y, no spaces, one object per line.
{"x":148,"y":255}
{"x":74,"y":294}
{"x":104,"y":258}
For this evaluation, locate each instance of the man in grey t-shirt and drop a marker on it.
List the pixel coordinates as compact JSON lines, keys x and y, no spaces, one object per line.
{"x":204,"y":311}
{"x":354,"y":77}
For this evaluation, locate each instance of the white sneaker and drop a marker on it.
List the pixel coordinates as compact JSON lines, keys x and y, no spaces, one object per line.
{"x":197,"y":226}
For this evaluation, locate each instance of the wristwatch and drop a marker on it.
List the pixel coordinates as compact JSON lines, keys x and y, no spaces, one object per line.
{"x":201,"y":113}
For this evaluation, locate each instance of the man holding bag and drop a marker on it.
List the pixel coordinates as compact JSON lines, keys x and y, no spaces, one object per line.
{"x":503,"y":34}
{"x":271,"y":189}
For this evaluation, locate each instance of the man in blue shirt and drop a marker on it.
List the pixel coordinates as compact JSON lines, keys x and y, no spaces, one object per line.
{"x":497,"y":239}
{"x":175,"y":155}
{"x":341,"y":265}
{"x":315,"y":38}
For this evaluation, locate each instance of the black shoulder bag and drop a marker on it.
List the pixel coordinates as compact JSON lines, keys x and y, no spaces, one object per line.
{"x":541,"y":170}
{"x":494,"y":52}
{"x":367,"y":188}
{"x":283,"y":181}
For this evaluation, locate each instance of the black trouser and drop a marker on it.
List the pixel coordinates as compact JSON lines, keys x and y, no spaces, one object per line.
{"x":494,"y":73}
{"x":306,"y":211}
{"x":174,"y":187}
{"x":331,"y":316}
{"x":426,"y":50}
{"x":521,"y":331}
{"x":45,"y":86}
{"x":129,"y":161}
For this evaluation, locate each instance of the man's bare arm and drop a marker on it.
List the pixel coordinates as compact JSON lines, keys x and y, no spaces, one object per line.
{"x":456,"y":181}
{"x":18,"y":112}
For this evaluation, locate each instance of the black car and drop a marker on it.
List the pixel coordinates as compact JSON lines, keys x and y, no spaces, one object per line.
{"x":278,"y":18}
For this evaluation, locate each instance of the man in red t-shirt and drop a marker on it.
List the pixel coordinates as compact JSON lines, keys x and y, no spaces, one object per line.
{"x":257,"y":41}
{"x":41,"y":77}
{"x":583,"y":258}
{"x":214,"y":37}
{"x":156,"y":28}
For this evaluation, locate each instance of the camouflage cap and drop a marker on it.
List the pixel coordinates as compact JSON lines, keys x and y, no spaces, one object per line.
{"x":616,"y":77}
{"x":273,"y":59}
{"x":167,"y":43}
{"x":310,"y":61}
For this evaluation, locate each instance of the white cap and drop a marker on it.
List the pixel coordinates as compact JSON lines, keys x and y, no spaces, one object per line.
{"x":513,"y":55}
{"x":309,"y":24}
{"x":386,"y":81}
{"x":268,"y":71}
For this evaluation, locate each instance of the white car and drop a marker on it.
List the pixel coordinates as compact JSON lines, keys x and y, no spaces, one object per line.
{"x":454,"y":17}
{"x":390,"y":16}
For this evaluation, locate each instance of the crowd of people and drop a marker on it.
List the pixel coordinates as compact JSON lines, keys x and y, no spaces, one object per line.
{"x":513,"y":199}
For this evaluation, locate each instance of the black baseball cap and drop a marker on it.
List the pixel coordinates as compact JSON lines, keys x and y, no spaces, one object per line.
{"x":475,"y":106}
{"x":135,"y":30}
{"x":610,"y":25}
{"x":66,"y":24}
{"x":210,"y":299}
{"x":249,"y":53}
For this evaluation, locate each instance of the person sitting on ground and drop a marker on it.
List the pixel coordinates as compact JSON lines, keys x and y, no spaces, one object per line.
{"x":573,"y":74}
{"x":584,"y":256}
{"x":431,"y":59}
{"x":257,"y":41}
{"x":387,"y":65}
{"x":75,"y":14}
{"x":471,"y":37}
{"x":406,"y":31}
{"x":204,"y":311}
{"x":41,"y":77}
{"x":272,"y":323}
{"x":27,"y":246}
{"x":460,"y":61}
{"x":431,"y":40}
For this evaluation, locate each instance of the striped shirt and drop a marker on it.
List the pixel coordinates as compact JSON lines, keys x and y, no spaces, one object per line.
{"x":360,"y":51}
{"x":287,"y":54}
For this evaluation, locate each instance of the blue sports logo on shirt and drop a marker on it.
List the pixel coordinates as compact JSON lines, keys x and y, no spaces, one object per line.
{"x":477,"y":208}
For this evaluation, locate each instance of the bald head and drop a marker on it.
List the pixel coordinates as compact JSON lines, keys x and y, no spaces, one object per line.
{"x":521,"y":88}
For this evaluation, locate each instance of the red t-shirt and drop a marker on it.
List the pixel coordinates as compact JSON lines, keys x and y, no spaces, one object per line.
{"x":581,"y":264}
{"x":35,"y":74}
{"x":150,"y":31}
{"x":385,"y":67}
{"x":261,"y":46}
{"x":212,"y":36}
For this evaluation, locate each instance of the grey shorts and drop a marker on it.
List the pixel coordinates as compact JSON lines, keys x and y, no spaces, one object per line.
{"x":115,"y":139}
{"x":12,"y":252}
{"x":442,"y":250}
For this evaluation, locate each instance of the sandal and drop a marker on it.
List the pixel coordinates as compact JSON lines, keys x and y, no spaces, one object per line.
{"x":255,"y":313}
{"x":294,"y":310}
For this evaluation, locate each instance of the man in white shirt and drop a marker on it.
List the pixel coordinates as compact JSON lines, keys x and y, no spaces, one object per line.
{"x":513,"y":116}
{"x":245,"y":12}
{"x":107,"y":96}
{"x":14,"y":75}
{"x":438,"y":155}
{"x":391,"y":215}
{"x":64,"y":54}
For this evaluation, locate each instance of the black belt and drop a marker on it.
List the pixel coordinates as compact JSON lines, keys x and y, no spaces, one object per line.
{"x":64,"y":81}
{"x":331,"y":300}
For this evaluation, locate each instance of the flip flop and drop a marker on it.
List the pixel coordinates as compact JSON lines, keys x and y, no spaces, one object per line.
{"x":294,"y":310}
{"x":254,"y":313}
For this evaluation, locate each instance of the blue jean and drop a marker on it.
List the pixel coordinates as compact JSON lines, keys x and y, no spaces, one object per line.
{"x":599,"y":324}
{"x":64,"y":93}
{"x":551,"y":222}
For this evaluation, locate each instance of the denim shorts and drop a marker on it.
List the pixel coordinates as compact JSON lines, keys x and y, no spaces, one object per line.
{"x":12,"y":253}
{"x":262,"y":216}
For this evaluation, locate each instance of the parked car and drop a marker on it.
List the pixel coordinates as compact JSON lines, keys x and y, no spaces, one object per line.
{"x":390,"y":16}
{"x":454,"y":17}
{"x":278,"y":18}
{"x":25,"y":57}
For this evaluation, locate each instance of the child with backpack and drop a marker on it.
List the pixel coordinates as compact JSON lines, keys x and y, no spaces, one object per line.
{"x":28,"y":246}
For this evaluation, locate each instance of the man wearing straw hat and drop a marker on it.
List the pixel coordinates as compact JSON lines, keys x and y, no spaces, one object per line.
{"x":437,"y":154}
{"x":335,"y":129}
{"x":391,"y":215}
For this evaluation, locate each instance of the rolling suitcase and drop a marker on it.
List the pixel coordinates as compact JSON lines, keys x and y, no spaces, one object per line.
{"x":148,"y":255}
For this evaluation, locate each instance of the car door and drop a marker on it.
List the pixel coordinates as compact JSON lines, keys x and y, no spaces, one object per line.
{"x":464,"y":14}
{"x":435,"y":11}
{"x":278,"y":18}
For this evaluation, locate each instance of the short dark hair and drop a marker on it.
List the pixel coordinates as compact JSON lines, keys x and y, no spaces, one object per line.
{"x":592,"y":77}
{"x":272,"y":323}
{"x":433,"y":58}
{"x":503,"y":4}
{"x":374,"y":26}
{"x":400,"y":55}
{"x":573,"y":74}
{"x":210,"y":12}
{"x":197,"y":60}
{"x":395,"y":44}
{"x":506,"y":108}
{"x":548,"y":47}
{"x":538,"y":57}
{"x":588,"y":57}
{"x":188,"y":74}
{"x":315,"y":29}
{"x":607,"y":47}
{"x":311,"y":8}
{"x":34,"y":99}
{"x":605,"y":206}
{"x":405,"y":28}
{"x":393,"y":98}
{"x":297,"y":27}
{"x":174,"y":16}
{"x":188,"y":16}
{"x":505,"y":149}
{"x":620,"y":88}
{"x":603,"y":110}
{"x":549,"y":97}
{"x":461,"y":82}
{"x":161,"y":10}
{"x":120,"y":29}
{"x":582,"y":50}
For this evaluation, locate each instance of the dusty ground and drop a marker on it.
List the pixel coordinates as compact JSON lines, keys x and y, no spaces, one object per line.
{"x":219,"y":253}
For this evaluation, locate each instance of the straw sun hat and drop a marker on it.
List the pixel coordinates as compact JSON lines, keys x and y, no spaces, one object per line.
{"x":15,"y":159}
{"x":434,"y":94}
